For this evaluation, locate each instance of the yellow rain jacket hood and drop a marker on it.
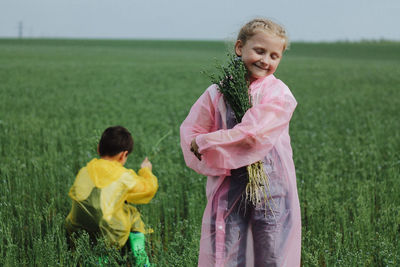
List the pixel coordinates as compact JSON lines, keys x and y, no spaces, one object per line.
{"x":99,"y":195}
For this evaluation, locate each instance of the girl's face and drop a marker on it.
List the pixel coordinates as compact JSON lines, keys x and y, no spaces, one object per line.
{"x":261,"y":54}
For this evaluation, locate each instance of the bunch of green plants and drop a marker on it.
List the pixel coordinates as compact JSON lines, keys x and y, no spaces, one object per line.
{"x":233,"y":83}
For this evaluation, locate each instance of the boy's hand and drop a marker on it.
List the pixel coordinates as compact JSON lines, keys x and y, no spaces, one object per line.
{"x":146,"y":164}
{"x":195,"y":149}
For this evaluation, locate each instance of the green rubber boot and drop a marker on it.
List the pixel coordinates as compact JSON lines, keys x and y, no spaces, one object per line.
{"x":103,"y":261}
{"x":136,"y":240}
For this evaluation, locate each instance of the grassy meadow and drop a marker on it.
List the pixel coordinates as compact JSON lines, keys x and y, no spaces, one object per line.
{"x":57,"y":96}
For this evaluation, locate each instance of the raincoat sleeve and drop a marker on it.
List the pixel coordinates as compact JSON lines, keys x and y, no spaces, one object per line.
{"x":250,"y":140}
{"x":201,"y":120}
{"x":145,"y":187}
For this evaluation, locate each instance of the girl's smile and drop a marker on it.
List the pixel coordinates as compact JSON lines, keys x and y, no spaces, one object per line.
{"x":261,"y":54}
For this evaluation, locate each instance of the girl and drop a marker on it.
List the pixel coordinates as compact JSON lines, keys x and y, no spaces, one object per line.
{"x":234,"y":232}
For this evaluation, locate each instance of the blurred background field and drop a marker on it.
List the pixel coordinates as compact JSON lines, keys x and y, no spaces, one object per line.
{"x":57,"y":96}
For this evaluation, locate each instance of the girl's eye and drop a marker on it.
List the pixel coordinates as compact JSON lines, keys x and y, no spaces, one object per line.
{"x":274,"y":56}
{"x":259,"y":51}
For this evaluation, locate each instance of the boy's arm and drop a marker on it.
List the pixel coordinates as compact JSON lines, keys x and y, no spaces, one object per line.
{"x":145,"y":187}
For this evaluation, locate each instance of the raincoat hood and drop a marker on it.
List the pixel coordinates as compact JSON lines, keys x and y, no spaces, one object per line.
{"x":103,"y":172}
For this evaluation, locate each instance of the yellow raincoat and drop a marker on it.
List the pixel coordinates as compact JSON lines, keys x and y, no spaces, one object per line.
{"x":98,"y":200}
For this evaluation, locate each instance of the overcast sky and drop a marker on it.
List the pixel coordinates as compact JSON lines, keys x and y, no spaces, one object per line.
{"x":305,"y":20}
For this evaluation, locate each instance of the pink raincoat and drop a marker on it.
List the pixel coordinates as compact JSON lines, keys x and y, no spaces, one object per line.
{"x":235,"y":233}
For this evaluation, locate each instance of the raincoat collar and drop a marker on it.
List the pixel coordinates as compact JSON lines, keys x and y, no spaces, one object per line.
{"x":261,"y":81}
{"x":103,"y":172}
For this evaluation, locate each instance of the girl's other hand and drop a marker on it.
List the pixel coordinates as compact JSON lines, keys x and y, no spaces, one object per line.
{"x":146,"y":164}
{"x":195,"y":149}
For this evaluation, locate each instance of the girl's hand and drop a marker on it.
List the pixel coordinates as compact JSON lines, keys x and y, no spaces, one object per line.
{"x":248,"y":142}
{"x":146,"y":164}
{"x":195,"y":149}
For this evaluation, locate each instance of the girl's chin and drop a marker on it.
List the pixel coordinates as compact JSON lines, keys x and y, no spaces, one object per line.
{"x":260,"y":73}
{"x":258,"y":76}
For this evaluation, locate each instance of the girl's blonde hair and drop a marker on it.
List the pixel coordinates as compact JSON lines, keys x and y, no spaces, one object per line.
{"x":255,"y":25}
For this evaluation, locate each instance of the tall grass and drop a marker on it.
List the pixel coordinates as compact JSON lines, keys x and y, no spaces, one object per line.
{"x":56,"y":96}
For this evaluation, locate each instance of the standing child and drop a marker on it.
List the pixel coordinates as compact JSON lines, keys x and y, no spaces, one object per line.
{"x":102,"y":189}
{"x":234,"y":232}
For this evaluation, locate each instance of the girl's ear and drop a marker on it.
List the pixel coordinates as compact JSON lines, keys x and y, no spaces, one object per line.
{"x":238,"y":48}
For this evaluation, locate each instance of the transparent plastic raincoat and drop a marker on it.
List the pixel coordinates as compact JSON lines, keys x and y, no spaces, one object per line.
{"x":98,"y":200}
{"x":234,"y":232}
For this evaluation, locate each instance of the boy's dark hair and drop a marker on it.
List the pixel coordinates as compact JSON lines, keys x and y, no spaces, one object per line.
{"x":115,"y":140}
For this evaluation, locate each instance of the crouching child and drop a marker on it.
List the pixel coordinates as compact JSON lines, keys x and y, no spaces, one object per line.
{"x":103,"y":190}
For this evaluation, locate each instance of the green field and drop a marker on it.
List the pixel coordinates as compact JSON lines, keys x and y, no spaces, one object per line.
{"x":57,"y":96}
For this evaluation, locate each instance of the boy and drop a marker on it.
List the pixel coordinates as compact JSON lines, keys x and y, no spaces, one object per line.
{"x":102,"y":189}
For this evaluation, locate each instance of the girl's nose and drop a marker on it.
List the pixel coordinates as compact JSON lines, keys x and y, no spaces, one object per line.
{"x":264,"y":60}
